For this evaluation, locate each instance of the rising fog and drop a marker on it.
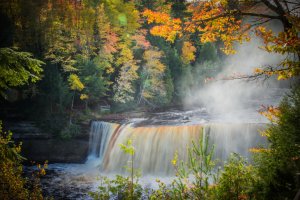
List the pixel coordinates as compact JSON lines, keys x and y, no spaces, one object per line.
{"x":240,"y":99}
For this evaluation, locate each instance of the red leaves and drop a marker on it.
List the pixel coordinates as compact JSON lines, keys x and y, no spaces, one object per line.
{"x":110,"y":45}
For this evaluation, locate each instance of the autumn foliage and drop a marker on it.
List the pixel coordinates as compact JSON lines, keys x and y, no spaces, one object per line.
{"x":12,"y":183}
{"x":222,"y":21}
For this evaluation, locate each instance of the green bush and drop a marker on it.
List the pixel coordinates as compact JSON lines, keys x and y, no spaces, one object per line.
{"x":238,"y":180}
{"x":121,"y":188}
{"x":71,"y":131}
{"x":279,"y":164}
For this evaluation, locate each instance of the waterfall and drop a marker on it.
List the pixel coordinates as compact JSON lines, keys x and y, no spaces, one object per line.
{"x":100,"y":135}
{"x":155,"y":146}
{"x":234,"y":138}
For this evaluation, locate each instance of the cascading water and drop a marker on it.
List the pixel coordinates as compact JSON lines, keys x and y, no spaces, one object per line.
{"x":155,"y":146}
{"x":234,"y":138}
{"x":155,"y":141}
{"x":100,"y":135}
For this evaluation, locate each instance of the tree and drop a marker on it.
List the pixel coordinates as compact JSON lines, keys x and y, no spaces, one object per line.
{"x":238,"y":180}
{"x":152,"y":78}
{"x":124,"y":89}
{"x":188,"y":52}
{"x":94,"y":79}
{"x":279,"y":164}
{"x":18,"y":68}
{"x":76,"y":85}
{"x":226,"y":21}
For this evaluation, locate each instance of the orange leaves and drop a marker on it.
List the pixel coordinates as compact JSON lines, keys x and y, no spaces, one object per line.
{"x":110,"y":45}
{"x":159,"y":17}
{"x":188,"y":52}
{"x":169,"y":28}
{"x":284,"y":42}
{"x":258,"y":70}
{"x":270,"y":112}
{"x":166,"y":31}
{"x":208,"y":17}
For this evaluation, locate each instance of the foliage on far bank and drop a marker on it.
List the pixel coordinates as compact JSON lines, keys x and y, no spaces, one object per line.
{"x":96,"y":53}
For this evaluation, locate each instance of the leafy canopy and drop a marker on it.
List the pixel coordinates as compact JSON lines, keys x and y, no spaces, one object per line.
{"x":18,"y":68}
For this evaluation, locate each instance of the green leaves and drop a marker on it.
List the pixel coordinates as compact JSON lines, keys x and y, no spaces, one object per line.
{"x":238,"y":180}
{"x":18,"y":68}
{"x":13,"y":184}
{"x":128,"y":148}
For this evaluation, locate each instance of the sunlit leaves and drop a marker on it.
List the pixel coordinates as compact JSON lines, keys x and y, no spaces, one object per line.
{"x":216,"y":20}
{"x":188,"y":52}
{"x":169,"y":28}
{"x":270,"y":112}
{"x":75,"y":83}
{"x":152,"y":76}
{"x":128,"y":148}
{"x":18,"y":68}
{"x":84,"y":96}
{"x":124,"y":88}
{"x":208,"y":18}
{"x":286,"y":43}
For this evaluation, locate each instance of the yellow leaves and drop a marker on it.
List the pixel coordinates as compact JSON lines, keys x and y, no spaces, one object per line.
{"x":208,"y":18}
{"x":124,"y":88}
{"x":288,"y":69}
{"x":84,"y":96}
{"x":75,"y":83}
{"x":281,"y":77}
{"x":258,"y":150}
{"x":258,"y":70}
{"x":109,"y":70}
{"x":167,"y":32}
{"x":153,"y":64}
{"x":13,"y":184}
{"x":175,"y":159}
{"x":188,"y":52}
{"x":284,"y":42}
{"x":158,"y":17}
{"x":270,"y":112}
{"x":153,"y":74}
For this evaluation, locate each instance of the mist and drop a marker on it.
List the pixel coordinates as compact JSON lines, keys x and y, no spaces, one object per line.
{"x":240,"y":99}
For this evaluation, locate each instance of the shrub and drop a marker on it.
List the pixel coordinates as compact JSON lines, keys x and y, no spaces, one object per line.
{"x":279,"y":164}
{"x":238,"y":180}
{"x":12,"y":184}
{"x":72,"y":130}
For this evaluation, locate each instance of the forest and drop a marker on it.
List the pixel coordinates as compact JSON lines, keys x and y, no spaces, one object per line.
{"x":65,"y":63}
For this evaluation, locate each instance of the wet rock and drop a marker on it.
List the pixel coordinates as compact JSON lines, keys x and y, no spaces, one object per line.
{"x":55,"y":150}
